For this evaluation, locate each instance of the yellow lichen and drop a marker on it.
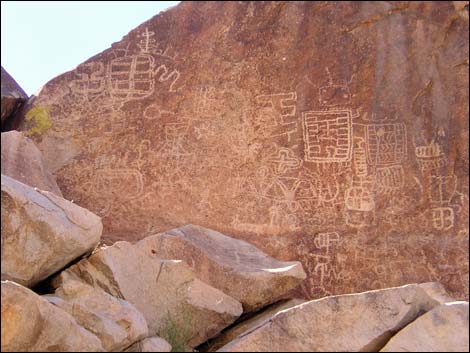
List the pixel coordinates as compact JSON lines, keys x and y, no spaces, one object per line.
{"x":39,"y":119}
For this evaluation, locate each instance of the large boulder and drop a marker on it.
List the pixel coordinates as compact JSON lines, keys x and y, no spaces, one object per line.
{"x":361,"y":322}
{"x":12,"y":95}
{"x":246,"y":325}
{"x":21,"y":160}
{"x":167,"y":292}
{"x":332,"y":133}
{"x":234,"y":266}
{"x":443,"y":329}
{"x":42,"y":232}
{"x":31,"y":324}
{"x":152,"y":344}
{"x":117,"y":323}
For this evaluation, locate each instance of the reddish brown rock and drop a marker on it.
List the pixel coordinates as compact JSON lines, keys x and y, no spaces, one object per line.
{"x":21,"y":160}
{"x":13,"y":97}
{"x":334,"y":133}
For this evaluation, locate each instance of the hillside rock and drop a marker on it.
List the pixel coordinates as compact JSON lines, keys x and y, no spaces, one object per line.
{"x":361,"y":322}
{"x":42,"y":232}
{"x":21,"y":160}
{"x":333,"y":133}
{"x":235,"y":267}
{"x":443,"y":329}
{"x":31,"y":324}
{"x":166,"y":292}
{"x":13,"y":97}
{"x":152,"y":344}
{"x":117,"y":323}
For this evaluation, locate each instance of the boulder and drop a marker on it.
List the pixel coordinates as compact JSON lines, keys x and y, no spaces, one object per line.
{"x":247,"y":325}
{"x":31,"y":324}
{"x":152,"y":344}
{"x":13,"y":97}
{"x":167,"y":292}
{"x":42,"y":232}
{"x":361,"y":322}
{"x":117,"y":323}
{"x":21,"y":160}
{"x":437,"y":292}
{"x":443,"y":329}
{"x":330,"y":133}
{"x":234,"y":266}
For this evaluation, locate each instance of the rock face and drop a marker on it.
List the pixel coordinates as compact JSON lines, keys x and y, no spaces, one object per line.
{"x":21,"y":160}
{"x":334,"y":133}
{"x":114,"y":321}
{"x":42,"y":232}
{"x":233,"y":266}
{"x":31,"y":324}
{"x":166,"y":292}
{"x":443,"y":329}
{"x":13,"y":97}
{"x":361,"y":322}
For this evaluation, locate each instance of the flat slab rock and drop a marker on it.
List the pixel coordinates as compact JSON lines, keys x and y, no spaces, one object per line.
{"x":31,"y":324}
{"x":331,"y":133}
{"x":443,"y":329}
{"x":361,"y":322}
{"x":42,"y":232}
{"x":167,"y":292}
{"x":21,"y":160}
{"x":234,"y":266}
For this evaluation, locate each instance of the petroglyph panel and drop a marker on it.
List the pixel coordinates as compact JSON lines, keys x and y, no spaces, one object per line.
{"x":299,"y":130}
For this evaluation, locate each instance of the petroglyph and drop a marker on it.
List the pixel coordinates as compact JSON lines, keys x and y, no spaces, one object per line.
{"x":91,"y":79}
{"x":389,"y":179}
{"x":328,"y":135}
{"x":162,"y":73}
{"x":286,"y":160}
{"x":386,"y":143}
{"x":325,"y":240}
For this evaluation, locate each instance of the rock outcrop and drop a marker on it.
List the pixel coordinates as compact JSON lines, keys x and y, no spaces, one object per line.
{"x":42,"y":232}
{"x":13,"y":97}
{"x":361,"y":322}
{"x":333,"y":133}
{"x":117,"y":323}
{"x":21,"y":160}
{"x":31,"y":324}
{"x":234,"y":266}
{"x":443,"y":329}
{"x":167,"y":292}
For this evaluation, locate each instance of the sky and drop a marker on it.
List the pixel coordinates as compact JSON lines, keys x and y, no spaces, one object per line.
{"x":43,"y":39}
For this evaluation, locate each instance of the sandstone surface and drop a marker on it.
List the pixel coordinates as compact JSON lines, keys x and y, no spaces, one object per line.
{"x":31,"y":324}
{"x":12,"y":95}
{"x":166,"y":292}
{"x":443,"y":329}
{"x":333,"y":133}
{"x":234,"y":266}
{"x":362,"y":322}
{"x":21,"y":160}
{"x":41,"y":232}
{"x":152,"y":344}
{"x":117,"y":323}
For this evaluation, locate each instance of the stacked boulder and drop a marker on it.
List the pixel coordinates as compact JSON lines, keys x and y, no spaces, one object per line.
{"x":13,"y":97}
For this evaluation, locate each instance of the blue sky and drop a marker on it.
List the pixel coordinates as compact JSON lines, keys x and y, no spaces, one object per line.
{"x":42,"y":39}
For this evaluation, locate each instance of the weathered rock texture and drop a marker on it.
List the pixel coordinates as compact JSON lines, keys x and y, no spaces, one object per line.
{"x":21,"y":160}
{"x":42,"y":232}
{"x":361,"y":322}
{"x":443,"y":329}
{"x":167,"y":292}
{"x":13,"y":97}
{"x":114,"y":321}
{"x":31,"y":324}
{"x":231,"y":265}
{"x":334,"y":133}
{"x":246,"y":326}
{"x":152,"y":344}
